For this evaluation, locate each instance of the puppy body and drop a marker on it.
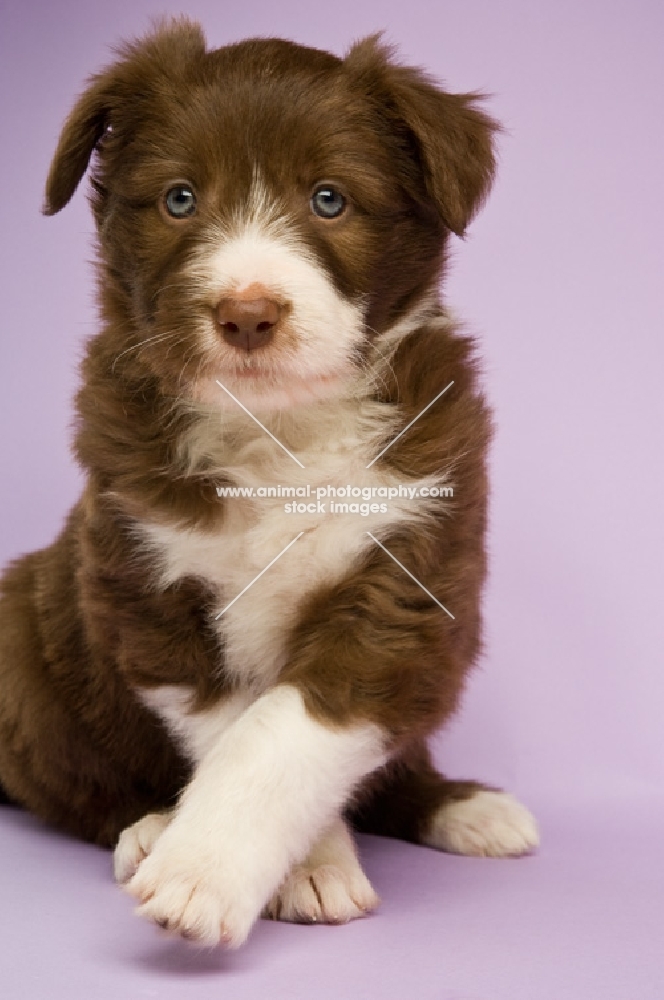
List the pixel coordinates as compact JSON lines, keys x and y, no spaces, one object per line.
{"x":156,"y":678}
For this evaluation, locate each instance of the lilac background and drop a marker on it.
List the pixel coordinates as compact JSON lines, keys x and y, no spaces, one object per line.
{"x":561,"y":277}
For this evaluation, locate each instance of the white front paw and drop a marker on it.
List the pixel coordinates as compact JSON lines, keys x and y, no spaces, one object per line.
{"x":328,"y":887}
{"x":189,"y":888}
{"x":136,"y":842}
{"x":325,"y":894}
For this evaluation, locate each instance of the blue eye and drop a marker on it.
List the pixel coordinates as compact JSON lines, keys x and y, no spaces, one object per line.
{"x":327,"y":202}
{"x":180,"y":201}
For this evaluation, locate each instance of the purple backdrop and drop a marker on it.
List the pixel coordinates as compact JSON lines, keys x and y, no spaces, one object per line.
{"x":561,"y":278}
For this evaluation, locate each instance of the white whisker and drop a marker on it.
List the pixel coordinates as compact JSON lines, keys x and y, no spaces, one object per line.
{"x":134,"y":347}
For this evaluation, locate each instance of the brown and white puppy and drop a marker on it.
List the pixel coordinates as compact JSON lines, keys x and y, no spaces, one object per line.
{"x":272,"y":224}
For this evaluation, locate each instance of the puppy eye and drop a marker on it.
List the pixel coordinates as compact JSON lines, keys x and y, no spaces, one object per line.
{"x":327,"y":202}
{"x":105,"y":136}
{"x":180,"y":201}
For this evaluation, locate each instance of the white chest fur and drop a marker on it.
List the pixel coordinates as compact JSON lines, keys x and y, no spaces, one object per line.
{"x":334,"y":443}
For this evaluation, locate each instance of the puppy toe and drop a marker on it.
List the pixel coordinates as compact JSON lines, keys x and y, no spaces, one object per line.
{"x":135,"y":843}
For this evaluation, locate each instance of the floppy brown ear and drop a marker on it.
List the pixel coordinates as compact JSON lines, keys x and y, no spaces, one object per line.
{"x":452,"y":137}
{"x":166,"y":51}
{"x":80,"y":134}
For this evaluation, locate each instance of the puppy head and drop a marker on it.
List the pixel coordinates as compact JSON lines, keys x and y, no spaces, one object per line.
{"x":265,"y":209}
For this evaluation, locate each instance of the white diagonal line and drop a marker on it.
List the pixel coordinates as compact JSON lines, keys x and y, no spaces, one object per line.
{"x":411,"y":575}
{"x":250,"y":414}
{"x":408,"y":426}
{"x":259,"y":576}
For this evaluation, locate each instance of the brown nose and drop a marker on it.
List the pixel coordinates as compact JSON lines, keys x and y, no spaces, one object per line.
{"x":248,"y":323}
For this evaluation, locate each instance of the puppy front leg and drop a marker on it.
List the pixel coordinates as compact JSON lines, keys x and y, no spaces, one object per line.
{"x":258,"y":800}
{"x":329,"y":886}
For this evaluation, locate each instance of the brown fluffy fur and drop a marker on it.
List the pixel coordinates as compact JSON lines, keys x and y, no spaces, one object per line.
{"x":82,"y":622}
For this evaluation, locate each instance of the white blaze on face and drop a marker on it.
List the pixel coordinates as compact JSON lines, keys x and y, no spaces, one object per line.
{"x":314,"y":343}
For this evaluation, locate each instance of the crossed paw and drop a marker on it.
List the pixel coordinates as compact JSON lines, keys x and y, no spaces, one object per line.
{"x":188,"y":890}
